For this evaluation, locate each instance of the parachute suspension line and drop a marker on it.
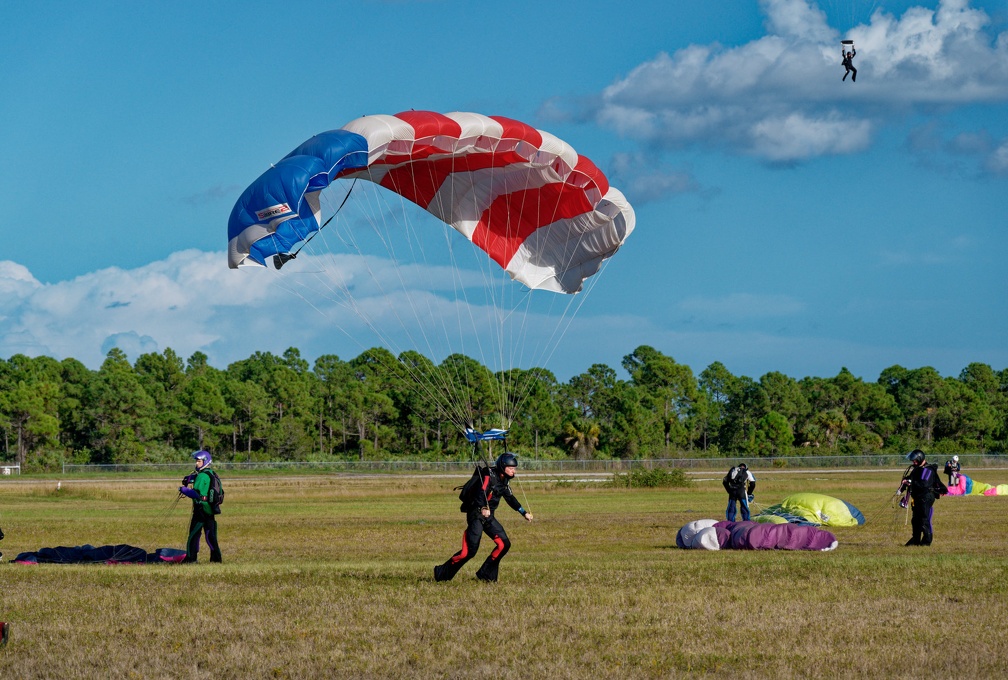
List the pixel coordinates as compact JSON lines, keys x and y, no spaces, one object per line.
{"x":521,"y":487}
{"x":348,"y":300}
{"x":452,"y":409}
{"x":280,"y":260}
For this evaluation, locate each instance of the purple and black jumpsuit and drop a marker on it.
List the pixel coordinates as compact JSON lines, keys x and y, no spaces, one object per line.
{"x":921,"y":480}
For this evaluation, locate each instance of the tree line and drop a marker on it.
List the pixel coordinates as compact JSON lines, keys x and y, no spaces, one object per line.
{"x":270,"y":407}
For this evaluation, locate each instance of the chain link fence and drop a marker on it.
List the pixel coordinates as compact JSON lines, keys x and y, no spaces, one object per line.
{"x":966,"y":460}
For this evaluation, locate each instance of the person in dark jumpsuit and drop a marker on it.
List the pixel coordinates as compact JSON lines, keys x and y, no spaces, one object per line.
{"x":480,"y":498}
{"x":848,"y":64}
{"x":740,"y":485}
{"x":922,"y":482}
{"x":196,"y":486}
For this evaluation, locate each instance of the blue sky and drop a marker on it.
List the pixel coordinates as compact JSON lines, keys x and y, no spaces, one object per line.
{"x":786,"y":221}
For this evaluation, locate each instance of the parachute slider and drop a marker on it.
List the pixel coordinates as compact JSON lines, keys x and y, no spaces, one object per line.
{"x":494,"y":434}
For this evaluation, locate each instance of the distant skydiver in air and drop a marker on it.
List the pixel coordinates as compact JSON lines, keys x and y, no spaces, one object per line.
{"x":480,"y":497}
{"x":740,"y":485}
{"x":848,"y":63}
{"x":921,"y":480}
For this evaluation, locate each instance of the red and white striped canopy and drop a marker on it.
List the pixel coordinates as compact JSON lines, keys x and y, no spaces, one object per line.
{"x":542,"y":212}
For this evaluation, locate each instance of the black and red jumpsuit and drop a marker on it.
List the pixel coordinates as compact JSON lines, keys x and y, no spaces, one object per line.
{"x":489,"y":487}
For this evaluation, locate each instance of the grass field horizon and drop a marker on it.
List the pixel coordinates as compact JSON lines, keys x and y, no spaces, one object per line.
{"x":330,"y":575}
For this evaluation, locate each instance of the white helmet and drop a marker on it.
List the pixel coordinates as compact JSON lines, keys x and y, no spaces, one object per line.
{"x":955,"y":458}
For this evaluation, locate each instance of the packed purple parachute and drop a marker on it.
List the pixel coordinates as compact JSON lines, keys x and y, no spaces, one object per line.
{"x":710,"y":534}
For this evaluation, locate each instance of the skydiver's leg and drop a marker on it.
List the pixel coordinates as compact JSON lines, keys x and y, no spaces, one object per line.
{"x":210,"y":531}
{"x":744,"y":504}
{"x":488,"y":572}
{"x":470,"y":544}
{"x":192,"y":543}
{"x":917,"y":523}
{"x":846,"y":71}
{"x":853,"y":77}
{"x":730,"y":510}
{"x":926,"y":528}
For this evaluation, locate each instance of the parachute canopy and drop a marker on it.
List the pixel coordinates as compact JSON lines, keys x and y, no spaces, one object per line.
{"x":711,"y":534}
{"x":815,"y":509}
{"x":969,"y":487}
{"x":106,"y":554}
{"x":543,"y":213}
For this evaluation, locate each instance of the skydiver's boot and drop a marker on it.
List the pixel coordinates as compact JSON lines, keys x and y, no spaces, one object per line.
{"x":215,"y":556}
{"x":4,"y":633}
{"x":447,"y":571}
{"x":912,"y":541}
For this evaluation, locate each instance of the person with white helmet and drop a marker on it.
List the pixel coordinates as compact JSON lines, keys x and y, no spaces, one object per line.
{"x":203,"y":487}
{"x":952,"y":470}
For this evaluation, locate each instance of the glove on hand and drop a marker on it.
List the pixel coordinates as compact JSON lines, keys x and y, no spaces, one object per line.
{"x":189,"y":493}
{"x":751,"y":497}
{"x":188,"y":479}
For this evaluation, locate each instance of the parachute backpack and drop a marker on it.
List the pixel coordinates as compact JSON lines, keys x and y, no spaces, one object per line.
{"x":215,"y":496}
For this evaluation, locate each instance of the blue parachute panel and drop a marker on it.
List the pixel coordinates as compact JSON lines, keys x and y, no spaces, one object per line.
{"x":275,"y":212}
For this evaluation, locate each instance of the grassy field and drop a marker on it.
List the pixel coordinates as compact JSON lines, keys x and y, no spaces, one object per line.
{"x":329,"y":576}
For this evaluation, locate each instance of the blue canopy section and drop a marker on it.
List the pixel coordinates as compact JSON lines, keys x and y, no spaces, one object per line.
{"x":494,"y":434}
{"x":272,"y":214}
{"x":855,"y":513}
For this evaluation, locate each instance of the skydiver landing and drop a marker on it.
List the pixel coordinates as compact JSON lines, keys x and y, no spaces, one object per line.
{"x":922,"y":481}
{"x":848,"y":64}
{"x":480,"y":498}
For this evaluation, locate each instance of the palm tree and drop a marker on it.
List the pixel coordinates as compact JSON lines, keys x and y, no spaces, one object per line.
{"x":582,"y":443}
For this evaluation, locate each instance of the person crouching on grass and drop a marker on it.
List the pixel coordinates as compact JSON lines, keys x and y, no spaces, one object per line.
{"x":480,"y":497}
{"x":197,"y":487}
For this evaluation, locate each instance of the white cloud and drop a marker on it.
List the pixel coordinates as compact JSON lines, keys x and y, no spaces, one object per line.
{"x":645,"y":179}
{"x":342,"y":305}
{"x":780,"y":98}
{"x":997,"y":162}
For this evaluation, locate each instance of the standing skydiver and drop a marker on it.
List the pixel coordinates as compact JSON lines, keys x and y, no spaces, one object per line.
{"x":480,"y":497}
{"x":740,"y":485}
{"x":922,"y":482}
{"x":205,"y":507}
{"x":952,"y":469}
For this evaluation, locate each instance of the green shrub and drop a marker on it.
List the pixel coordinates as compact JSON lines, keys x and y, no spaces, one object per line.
{"x":651,"y":478}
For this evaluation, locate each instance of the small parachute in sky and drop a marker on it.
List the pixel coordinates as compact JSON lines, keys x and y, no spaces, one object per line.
{"x":813,"y":508}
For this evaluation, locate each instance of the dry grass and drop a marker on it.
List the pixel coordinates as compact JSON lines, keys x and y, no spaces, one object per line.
{"x":330,"y":576}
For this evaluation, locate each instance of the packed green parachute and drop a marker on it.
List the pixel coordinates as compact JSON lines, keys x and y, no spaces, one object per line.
{"x":812,"y":508}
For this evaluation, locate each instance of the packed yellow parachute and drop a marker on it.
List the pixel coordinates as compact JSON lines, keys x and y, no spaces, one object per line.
{"x":812,"y":508}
